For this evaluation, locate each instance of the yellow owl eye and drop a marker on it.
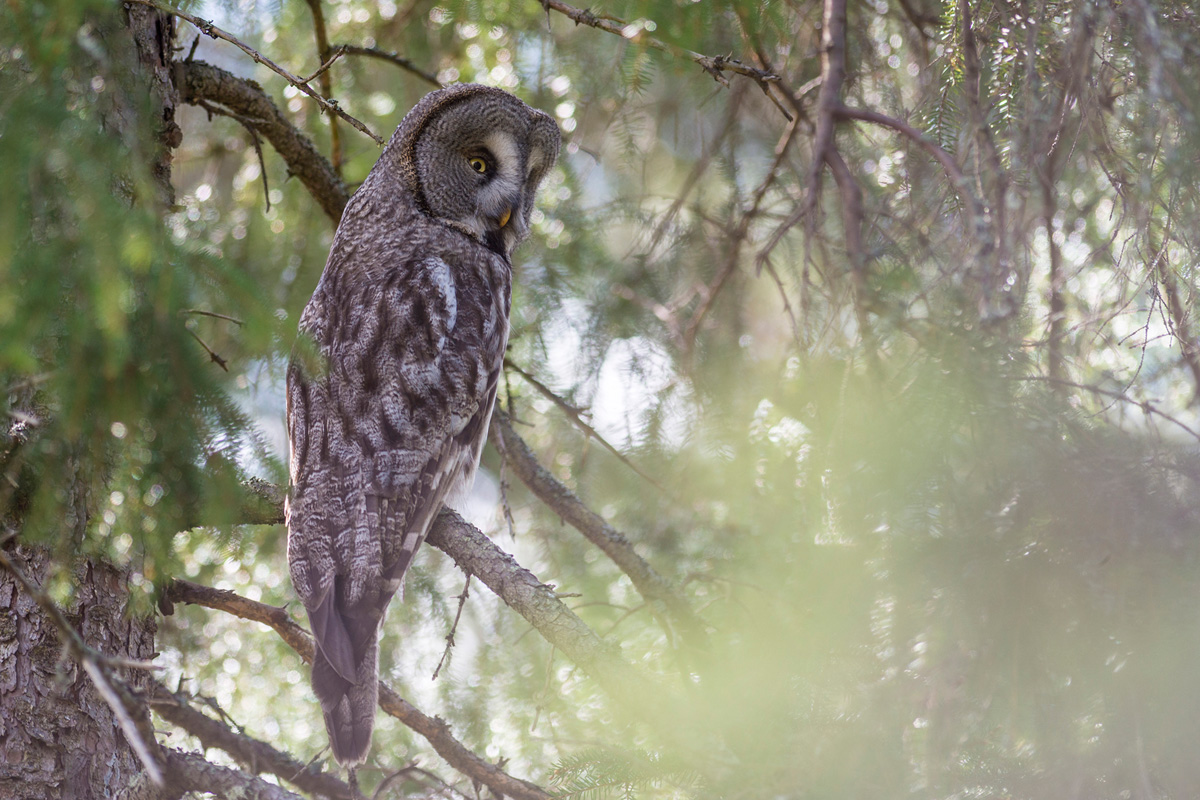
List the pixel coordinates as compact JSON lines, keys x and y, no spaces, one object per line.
{"x":478,"y":164}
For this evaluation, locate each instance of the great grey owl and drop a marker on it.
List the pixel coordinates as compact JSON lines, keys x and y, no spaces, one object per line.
{"x":388,"y":405}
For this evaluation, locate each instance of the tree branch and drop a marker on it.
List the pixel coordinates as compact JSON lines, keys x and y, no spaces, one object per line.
{"x":207,"y":28}
{"x":1177,"y":310}
{"x":434,"y":729}
{"x":198,"y":82}
{"x":833,"y":76}
{"x":190,"y":772}
{"x":255,"y":755}
{"x":709,"y":293}
{"x":949,"y":165}
{"x":989,"y":238}
{"x":538,"y":603}
{"x":1146,"y":406}
{"x":668,"y":605}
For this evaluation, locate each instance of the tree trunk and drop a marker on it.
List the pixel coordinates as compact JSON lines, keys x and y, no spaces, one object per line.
{"x":58,"y":738}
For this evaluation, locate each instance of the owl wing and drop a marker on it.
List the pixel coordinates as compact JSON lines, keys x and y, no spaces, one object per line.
{"x":378,"y":439}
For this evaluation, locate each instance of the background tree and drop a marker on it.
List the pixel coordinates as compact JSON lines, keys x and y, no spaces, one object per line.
{"x":850,"y":415}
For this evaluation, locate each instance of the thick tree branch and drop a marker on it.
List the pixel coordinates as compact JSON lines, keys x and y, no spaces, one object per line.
{"x":189,"y":772}
{"x":207,"y":28}
{"x":667,"y":604}
{"x":198,"y":81}
{"x":434,"y":729}
{"x":257,"y":756}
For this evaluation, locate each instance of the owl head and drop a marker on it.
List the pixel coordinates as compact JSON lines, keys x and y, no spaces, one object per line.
{"x":473,"y":156}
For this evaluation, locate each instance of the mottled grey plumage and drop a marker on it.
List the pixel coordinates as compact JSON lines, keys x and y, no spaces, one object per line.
{"x":388,"y":414}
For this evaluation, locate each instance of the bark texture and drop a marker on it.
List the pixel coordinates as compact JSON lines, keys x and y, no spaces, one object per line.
{"x":58,"y":738}
{"x":153,"y":34}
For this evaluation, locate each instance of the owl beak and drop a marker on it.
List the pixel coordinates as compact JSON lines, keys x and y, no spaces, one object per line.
{"x":505,"y":217}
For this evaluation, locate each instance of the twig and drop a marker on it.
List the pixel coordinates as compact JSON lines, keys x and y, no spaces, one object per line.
{"x":1177,"y":311}
{"x":673,"y":716}
{"x":947,"y":162}
{"x":410,"y":769}
{"x":327,"y":58}
{"x":715,"y":66}
{"x":504,"y":504}
{"x":642,"y":697}
{"x":707,"y":151}
{"x":128,"y":726}
{"x":216,"y":359}
{"x":1146,"y":406}
{"x":833,"y":76}
{"x":337,"y":53}
{"x":989,"y":236}
{"x":391,"y":58}
{"x":711,"y":290}
{"x":787,"y":305}
{"x":462,"y":601}
{"x":204,"y":313}
{"x":207,"y":28}
{"x":852,"y":225}
{"x":575,"y":417}
{"x":248,"y":124}
{"x":669,"y":606}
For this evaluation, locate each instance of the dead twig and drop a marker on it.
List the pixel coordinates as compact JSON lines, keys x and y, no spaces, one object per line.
{"x":670,"y":607}
{"x":1146,"y":406}
{"x":716,"y":66}
{"x":576,"y":417}
{"x":248,"y":124}
{"x":462,"y":601}
{"x":198,"y":81}
{"x":327,"y":57}
{"x":212,"y":354}
{"x":204,"y":313}
{"x":829,"y":98}
{"x":392,"y":58}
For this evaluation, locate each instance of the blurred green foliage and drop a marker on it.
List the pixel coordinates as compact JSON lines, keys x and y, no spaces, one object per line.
{"x":945,"y":550}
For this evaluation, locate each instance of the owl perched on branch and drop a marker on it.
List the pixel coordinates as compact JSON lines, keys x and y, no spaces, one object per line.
{"x":388,"y":414}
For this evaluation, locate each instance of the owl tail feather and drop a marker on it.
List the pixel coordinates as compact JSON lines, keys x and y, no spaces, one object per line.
{"x":349,"y":708}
